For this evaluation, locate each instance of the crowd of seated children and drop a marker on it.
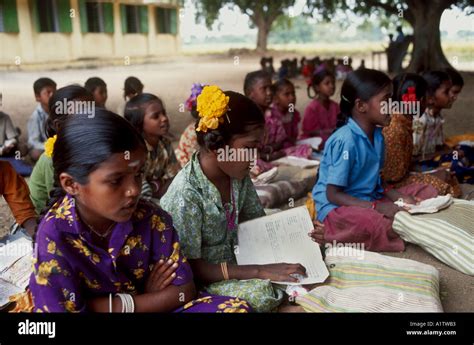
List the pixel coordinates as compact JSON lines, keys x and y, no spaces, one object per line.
{"x":147,"y":113}
{"x":95,"y":177}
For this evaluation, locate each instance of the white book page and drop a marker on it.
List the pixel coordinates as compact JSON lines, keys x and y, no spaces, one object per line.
{"x":12,"y":251}
{"x":282,"y":238}
{"x":432,"y":205}
{"x":296,"y":161}
{"x":314,"y":142}
{"x":19,"y":273}
{"x":6,"y":290}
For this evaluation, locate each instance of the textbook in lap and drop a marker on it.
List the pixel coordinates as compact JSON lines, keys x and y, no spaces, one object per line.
{"x":15,"y":268}
{"x":282,"y":238}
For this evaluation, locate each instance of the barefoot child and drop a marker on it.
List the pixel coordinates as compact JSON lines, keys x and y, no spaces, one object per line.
{"x":212,"y":195}
{"x":350,"y":199}
{"x":147,"y":114}
{"x":100,"y":248}
{"x":320,"y":116}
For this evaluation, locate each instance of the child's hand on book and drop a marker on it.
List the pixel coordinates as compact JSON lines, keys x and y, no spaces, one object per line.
{"x":281,"y":272}
{"x":388,"y":209}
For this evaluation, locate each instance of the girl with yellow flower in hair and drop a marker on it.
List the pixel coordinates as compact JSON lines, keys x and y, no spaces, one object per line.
{"x":100,"y":247}
{"x":42,"y":178}
{"x":213,"y":193}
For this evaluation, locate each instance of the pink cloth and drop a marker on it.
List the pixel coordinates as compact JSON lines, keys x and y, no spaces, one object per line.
{"x":317,"y":117}
{"x":352,"y":224}
{"x":283,"y":128}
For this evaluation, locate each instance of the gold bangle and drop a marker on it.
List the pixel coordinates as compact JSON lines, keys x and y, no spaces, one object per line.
{"x":225,"y":273}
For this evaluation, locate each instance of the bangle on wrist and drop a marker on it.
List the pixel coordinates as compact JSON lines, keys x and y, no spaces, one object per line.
{"x":225,"y":272}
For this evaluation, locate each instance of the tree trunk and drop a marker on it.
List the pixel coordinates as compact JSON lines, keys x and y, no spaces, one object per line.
{"x":262,"y":35}
{"x":427,"y":52}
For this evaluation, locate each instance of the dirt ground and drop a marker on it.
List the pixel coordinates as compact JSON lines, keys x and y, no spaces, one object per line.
{"x":171,"y":79}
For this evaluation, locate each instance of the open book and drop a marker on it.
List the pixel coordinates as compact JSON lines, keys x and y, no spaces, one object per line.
{"x":314,"y":142}
{"x":282,"y":238}
{"x":15,"y":268}
{"x":432,"y":205}
{"x":296,"y":161}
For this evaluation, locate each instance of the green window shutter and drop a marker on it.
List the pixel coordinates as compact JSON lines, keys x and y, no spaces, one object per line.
{"x":108,"y":17}
{"x":173,"y":21}
{"x":123,"y":17}
{"x":64,"y":18}
{"x":143,"y":15}
{"x":34,"y":13}
{"x":83,"y":16}
{"x":160,"y":17}
{"x":10,"y":16}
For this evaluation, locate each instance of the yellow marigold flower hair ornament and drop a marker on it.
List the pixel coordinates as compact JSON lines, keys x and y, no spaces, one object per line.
{"x":49,"y":146}
{"x":212,"y":104}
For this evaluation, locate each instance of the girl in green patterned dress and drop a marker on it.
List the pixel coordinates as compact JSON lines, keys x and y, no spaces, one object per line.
{"x":212,"y":194}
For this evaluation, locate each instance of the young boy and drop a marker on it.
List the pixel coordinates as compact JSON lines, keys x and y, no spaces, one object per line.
{"x":8,"y":135}
{"x":98,"y":88}
{"x":458,"y":83}
{"x":44,"y":89}
{"x":258,"y":87}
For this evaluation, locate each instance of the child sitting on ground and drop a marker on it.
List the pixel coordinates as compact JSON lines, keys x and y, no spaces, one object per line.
{"x":188,"y":143}
{"x":457,"y":82}
{"x":320,"y":116}
{"x":213,"y":193}
{"x":42,"y":178}
{"x":8,"y":136}
{"x":98,"y":88}
{"x":44,"y":89}
{"x":147,"y":113}
{"x":281,"y":123}
{"x":428,"y":137}
{"x":409,"y":91}
{"x":351,"y":200}
{"x":99,"y":247}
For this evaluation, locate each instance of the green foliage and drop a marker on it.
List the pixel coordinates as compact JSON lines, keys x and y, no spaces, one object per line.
{"x":266,"y":10}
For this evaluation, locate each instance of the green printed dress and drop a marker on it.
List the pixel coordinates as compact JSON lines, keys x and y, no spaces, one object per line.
{"x":199,"y":217}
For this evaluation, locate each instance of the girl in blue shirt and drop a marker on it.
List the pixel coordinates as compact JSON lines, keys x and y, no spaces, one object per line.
{"x":351,"y":199}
